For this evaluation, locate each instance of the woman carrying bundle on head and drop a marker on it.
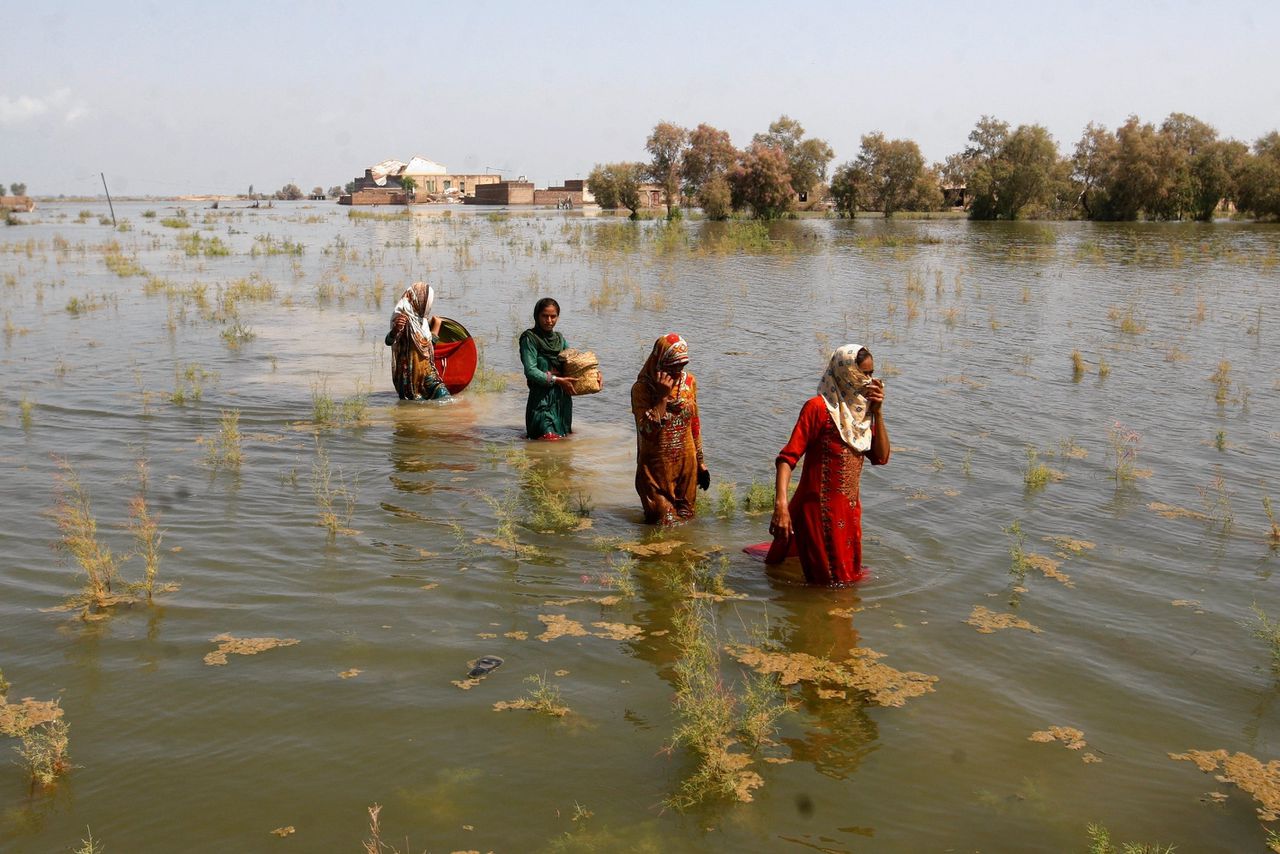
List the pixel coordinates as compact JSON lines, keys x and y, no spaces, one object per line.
{"x":669,"y":464}
{"x":413,"y":327}
{"x":549,"y":411}
{"x":837,"y":431}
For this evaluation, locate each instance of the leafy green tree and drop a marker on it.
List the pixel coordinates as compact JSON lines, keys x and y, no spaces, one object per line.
{"x":1006,"y":171}
{"x":1258,"y":190}
{"x":710,"y":153}
{"x":18,"y":188}
{"x":1091,"y":167}
{"x":290,"y":192}
{"x":410,"y":186}
{"x":334,"y":191}
{"x":888,"y":175}
{"x":1135,"y":178}
{"x":715,"y":197}
{"x":761,"y":180}
{"x":349,"y":188}
{"x":807,"y":159}
{"x":617,"y":185}
{"x":666,"y":146}
{"x":847,"y":189}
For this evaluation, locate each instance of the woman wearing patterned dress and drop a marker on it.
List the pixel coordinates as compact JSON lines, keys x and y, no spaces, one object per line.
{"x":669,"y":465}
{"x":837,"y":431}
{"x":413,"y":328}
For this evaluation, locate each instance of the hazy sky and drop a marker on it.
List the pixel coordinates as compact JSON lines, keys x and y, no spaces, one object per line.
{"x":174,"y":97}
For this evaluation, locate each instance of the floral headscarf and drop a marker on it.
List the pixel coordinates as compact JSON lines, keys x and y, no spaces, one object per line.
{"x":668,"y":352}
{"x":841,"y":389}
{"x":415,"y":304}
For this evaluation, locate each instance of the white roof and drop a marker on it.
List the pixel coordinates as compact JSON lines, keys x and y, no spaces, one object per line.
{"x":422,"y":166}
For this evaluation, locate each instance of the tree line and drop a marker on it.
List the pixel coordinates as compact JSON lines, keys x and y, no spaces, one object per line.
{"x":16,"y":189}
{"x":1177,"y":170}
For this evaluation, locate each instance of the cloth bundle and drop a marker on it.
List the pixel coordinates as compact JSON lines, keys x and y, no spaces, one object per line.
{"x":584,"y":367}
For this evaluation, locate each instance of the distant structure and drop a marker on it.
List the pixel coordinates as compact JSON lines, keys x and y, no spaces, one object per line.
{"x":571,"y":194}
{"x":17,"y":203}
{"x":383,"y":184}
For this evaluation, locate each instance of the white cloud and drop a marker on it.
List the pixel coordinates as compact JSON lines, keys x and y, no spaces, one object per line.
{"x":23,"y":109}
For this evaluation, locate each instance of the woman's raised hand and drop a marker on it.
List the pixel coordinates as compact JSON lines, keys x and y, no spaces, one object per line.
{"x":667,"y":381}
{"x":874,"y":393}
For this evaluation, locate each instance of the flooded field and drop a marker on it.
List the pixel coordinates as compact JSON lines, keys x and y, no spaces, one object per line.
{"x":1071,"y":618}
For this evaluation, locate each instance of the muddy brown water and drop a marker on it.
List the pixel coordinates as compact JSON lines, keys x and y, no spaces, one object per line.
{"x":972,"y":326}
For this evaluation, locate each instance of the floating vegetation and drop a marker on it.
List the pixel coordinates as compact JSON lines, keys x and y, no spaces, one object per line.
{"x":123,"y":266}
{"x":1127,"y":320}
{"x":176,"y":222}
{"x":543,"y":698}
{"x":862,"y":672}
{"x":657,"y":547}
{"x":265,"y":244}
{"x":1071,"y":738}
{"x":1048,"y":567}
{"x":231,"y":645}
{"x":1273,"y":535}
{"x":1069,"y":545}
{"x":1248,"y":774}
{"x":373,"y":216}
{"x":559,"y":626}
{"x":1173,"y":511}
{"x":988,"y":622}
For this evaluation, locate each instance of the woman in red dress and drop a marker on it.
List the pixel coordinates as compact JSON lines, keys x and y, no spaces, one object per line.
{"x":837,"y":431}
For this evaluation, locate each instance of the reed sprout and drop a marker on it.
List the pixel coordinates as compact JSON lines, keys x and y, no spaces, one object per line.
{"x":78,"y":537}
{"x":334,"y":498}
{"x":1264,"y":628}
{"x":147,"y":536}
{"x":224,"y":449}
{"x":1273,"y":535}
{"x":1125,"y":443}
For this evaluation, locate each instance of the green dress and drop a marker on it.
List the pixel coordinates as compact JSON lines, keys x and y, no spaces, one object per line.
{"x":550,"y":408}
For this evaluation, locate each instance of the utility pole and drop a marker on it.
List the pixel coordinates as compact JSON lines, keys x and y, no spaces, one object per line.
{"x":108,"y":192}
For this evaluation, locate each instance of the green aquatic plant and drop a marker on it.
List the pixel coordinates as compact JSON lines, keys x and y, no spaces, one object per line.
{"x":1267,"y":630}
{"x":176,"y":222}
{"x":237,"y":335}
{"x":1104,"y":368}
{"x":726,"y":500}
{"x":90,"y":845}
{"x":1037,"y":475}
{"x":547,"y":507}
{"x":620,"y":577}
{"x":544,"y":697}
{"x":1124,"y":452}
{"x":966,"y":464}
{"x":1019,"y":563}
{"x":759,"y":498}
{"x":486,"y":379}
{"x":43,"y":750}
{"x":25,"y":407}
{"x":147,"y":536}
{"x":1221,"y":379}
{"x":123,"y":266}
{"x":223,"y":450}
{"x":78,"y":537}
{"x":1100,"y":843}
{"x":1078,"y":366}
{"x":1220,"y":440}
{"x":1216,"y":499}
{"x":334,"y":498}
{"x":1273,"y":536}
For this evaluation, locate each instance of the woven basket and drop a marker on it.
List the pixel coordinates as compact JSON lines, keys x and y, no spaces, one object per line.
{"x":584,"y":367}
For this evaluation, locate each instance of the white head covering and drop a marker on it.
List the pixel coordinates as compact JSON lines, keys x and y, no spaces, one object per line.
{"x":840,"y":388}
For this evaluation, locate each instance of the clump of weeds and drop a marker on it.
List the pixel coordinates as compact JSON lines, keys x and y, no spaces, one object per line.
{"x":726,"y":500}
{"x":1273,"y":536}
{"x":621,"y":576}
{"x":1221,"y":379}
{"x":146,"y":534}
{"x":78,"y":537}
{"x":1018,"y":562}
{"x":1100,"y":843}
{"x":224,"y":449}
{"x":759,"y":498}
{"x":713,"y":718}
{"x":1124,"y":452}
{"x":1267,"y":630}
{"x":25,"y":407}
{"x":43,"y":750}
{"x":335,"y":500}
{"x":547,"y":508}
{"x":1078,"y":366}
{"x":1217,"y":503}
{"x":1037,"y":475}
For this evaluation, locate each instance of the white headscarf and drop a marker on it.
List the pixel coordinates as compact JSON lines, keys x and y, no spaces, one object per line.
{"x":840,"y":388}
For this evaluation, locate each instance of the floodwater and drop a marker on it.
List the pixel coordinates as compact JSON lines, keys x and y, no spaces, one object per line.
{"x":1137,"y":642}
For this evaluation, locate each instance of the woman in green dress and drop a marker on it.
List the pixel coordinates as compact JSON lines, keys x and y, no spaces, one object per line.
{"x":549,"y":412}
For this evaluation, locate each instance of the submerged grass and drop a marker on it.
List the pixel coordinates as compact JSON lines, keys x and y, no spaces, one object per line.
{"x":43,"y":751}
{"x":1100,"y":843}
{"x":334,"y":498}
{"x":1267,"y":630}
{"x":78,"y":537}
{"x":223,"y":451}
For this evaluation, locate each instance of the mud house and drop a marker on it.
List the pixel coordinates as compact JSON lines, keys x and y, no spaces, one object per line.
{"x":17,"y":203}
{"x":383,"y":183}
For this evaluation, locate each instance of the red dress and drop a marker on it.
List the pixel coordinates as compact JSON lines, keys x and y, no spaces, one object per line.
{"x":826,"y":513}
